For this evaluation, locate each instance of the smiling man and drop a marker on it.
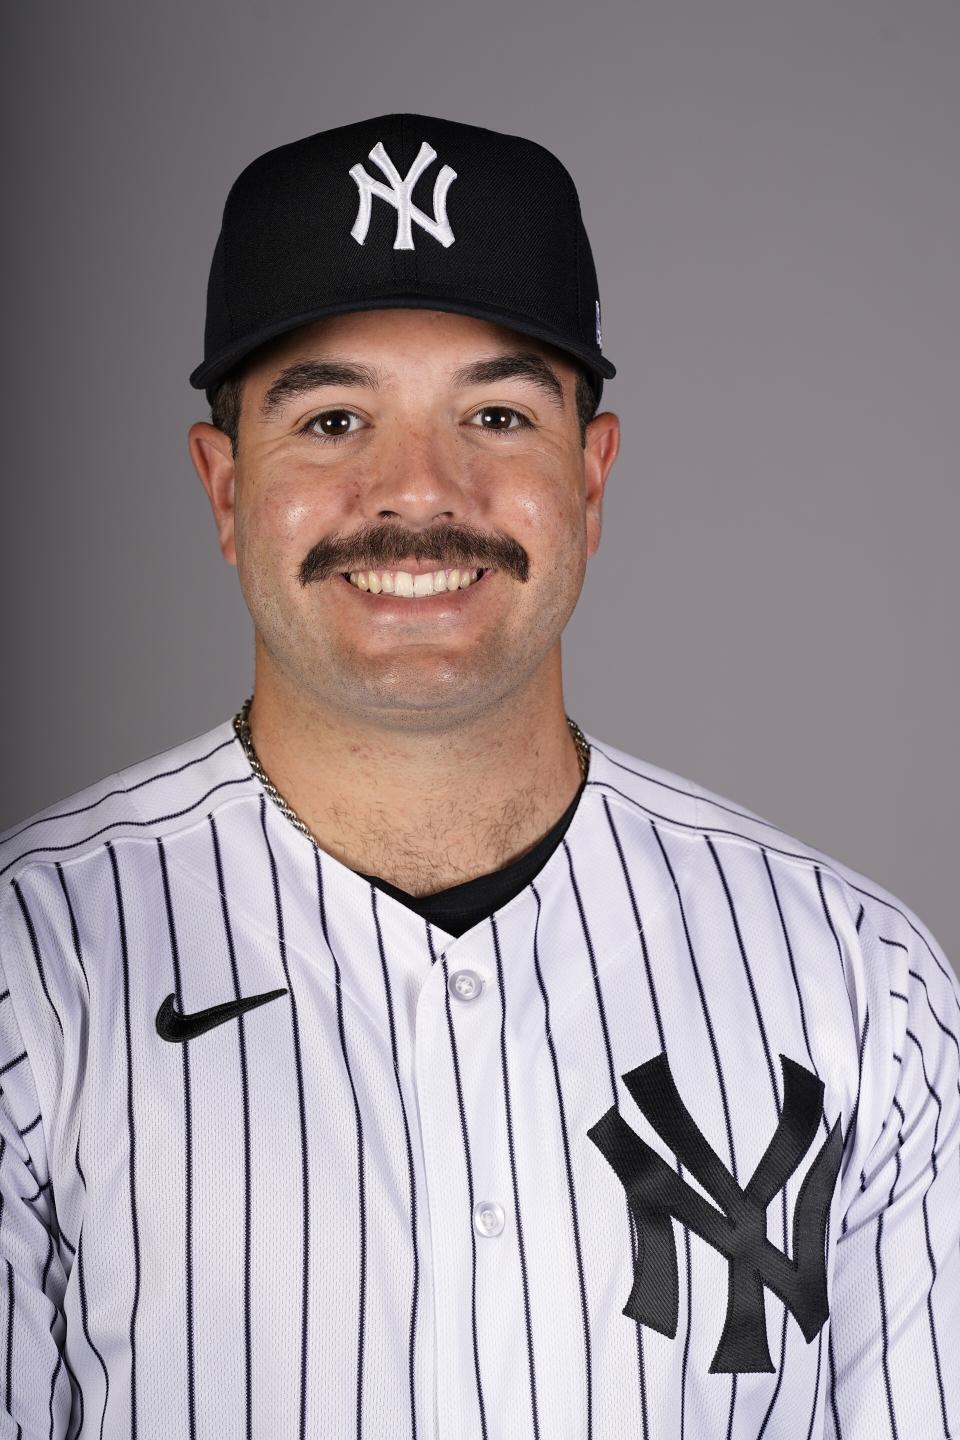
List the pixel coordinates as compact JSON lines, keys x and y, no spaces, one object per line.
{"x":406,"y":660}
{"x":395,"y":1059}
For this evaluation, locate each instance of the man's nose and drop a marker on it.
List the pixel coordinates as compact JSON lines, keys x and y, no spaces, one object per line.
{"x":419,"y":479}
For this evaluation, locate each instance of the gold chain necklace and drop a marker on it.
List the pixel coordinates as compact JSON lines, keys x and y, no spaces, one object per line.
{"x":242,"y":730}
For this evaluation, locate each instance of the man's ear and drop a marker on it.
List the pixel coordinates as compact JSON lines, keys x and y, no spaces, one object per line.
{"x":601,"y":449}
{"x":212,"y":456}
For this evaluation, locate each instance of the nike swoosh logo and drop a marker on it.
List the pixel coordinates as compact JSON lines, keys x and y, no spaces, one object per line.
{"x":171,"y":1025}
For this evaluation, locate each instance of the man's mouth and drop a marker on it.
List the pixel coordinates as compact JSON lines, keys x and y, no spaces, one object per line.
{"x":415,"y":584}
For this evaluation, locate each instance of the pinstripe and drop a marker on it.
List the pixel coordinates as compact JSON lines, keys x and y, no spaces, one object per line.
{"x":884,"y":1324}
{"x":131,"y":1134}
{"x":531,"y":1359}
{"x":305,"y":1292}
{"x":687,"y":1336}
{"x":75,"y":937}
{"x":778,"y":1108}
{"x":919,"y":934}
{"x":789,"y":947}
{"x":816,"y":1383}
{"x":84,"y":1312}
{"x":833,"y":931}
{"x":410,"y":1170}
{"x":640,"y":775}
{"x":717,"y":803}
{"x":783,"y":1342}
{"x":121,"y":790}
{"x":856,"y":1107}
{"x":74,"y":931}
{"x":125,"y":820}
{"x":8,"y":1390}
{"x":608,"y":1049}
{"x":188,"y":1136}
{"x":571,"y":1185}
{"x":832,"y":1371}
{"x":471,"y":1194}
{"x":245,"y":1097}
{"x":8,"y":1366}
{"x":926,"y":1229}
{"x":661,"y":1036}
{"x":58,"y":1366}
{"x":765,"y":856}
{"x":702,"y":828}
{"x":724,"y":1100}
{"x":850,"y":1133}
{"x":74,"y":1385}
{"x":43,"y":1185}
{"x":771,"y":1073}
{"x":914,"y":975}
{"x":35,"y":947}
{"x":361,"y":1179}
{"x":716,"y":1054}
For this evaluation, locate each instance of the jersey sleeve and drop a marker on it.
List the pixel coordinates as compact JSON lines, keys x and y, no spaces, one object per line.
{"x":35,"y":1388}
{"x":895,"y":1303}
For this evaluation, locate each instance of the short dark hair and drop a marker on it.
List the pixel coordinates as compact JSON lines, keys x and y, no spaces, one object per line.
{"x":226,"y":398}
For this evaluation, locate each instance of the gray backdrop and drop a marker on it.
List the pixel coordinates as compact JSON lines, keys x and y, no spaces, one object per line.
{"x":772,"y":194}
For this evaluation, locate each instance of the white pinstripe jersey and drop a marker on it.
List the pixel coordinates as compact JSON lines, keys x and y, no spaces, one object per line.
{"x":381,"y":1203}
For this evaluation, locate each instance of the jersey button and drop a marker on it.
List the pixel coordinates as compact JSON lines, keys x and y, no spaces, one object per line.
{"x":465,"y":984}
{"x":488,"y":1217}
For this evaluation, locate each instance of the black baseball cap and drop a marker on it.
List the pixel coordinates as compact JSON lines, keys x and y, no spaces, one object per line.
{"x":402,"y":211}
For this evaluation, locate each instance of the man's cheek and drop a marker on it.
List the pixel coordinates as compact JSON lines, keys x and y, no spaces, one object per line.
{"x":295,"y":523}
{"x":541,"y":518}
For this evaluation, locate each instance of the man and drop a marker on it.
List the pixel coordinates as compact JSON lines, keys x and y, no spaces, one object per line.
{"x":394,"y":1059}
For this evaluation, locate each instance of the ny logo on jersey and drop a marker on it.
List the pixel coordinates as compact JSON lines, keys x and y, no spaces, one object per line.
{"x":400,"y":196}
{"x":656,"y":1194}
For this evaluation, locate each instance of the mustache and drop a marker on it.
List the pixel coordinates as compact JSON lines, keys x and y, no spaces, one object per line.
{"x":382,"y":547}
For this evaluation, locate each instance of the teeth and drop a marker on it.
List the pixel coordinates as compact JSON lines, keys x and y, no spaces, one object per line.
{"x":401,"y":582}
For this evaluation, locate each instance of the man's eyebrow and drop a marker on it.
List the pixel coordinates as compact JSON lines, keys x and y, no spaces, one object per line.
{"x":516,"y":365}
{"x":305,"y":375}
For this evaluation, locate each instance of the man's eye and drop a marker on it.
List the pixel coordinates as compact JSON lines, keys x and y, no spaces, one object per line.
{"x":499,"y":418}
{"x":331,"y":424}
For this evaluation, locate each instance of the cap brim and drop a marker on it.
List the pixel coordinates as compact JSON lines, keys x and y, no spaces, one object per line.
{"x":207,"y":374}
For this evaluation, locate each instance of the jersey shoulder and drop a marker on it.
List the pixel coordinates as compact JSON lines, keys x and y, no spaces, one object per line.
{"x":663,"y":795}
{"x":155,"y":796}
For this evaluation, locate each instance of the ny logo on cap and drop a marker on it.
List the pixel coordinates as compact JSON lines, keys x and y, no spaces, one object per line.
{"x":400,"y":196}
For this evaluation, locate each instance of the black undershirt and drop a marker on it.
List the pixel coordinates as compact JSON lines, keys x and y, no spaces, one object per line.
{"x":457,"y":908}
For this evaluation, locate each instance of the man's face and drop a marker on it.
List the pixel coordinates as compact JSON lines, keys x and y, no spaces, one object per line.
{"x":404,"y":440}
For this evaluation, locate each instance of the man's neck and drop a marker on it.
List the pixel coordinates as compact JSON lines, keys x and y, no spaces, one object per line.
{"x":424,"y":810}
